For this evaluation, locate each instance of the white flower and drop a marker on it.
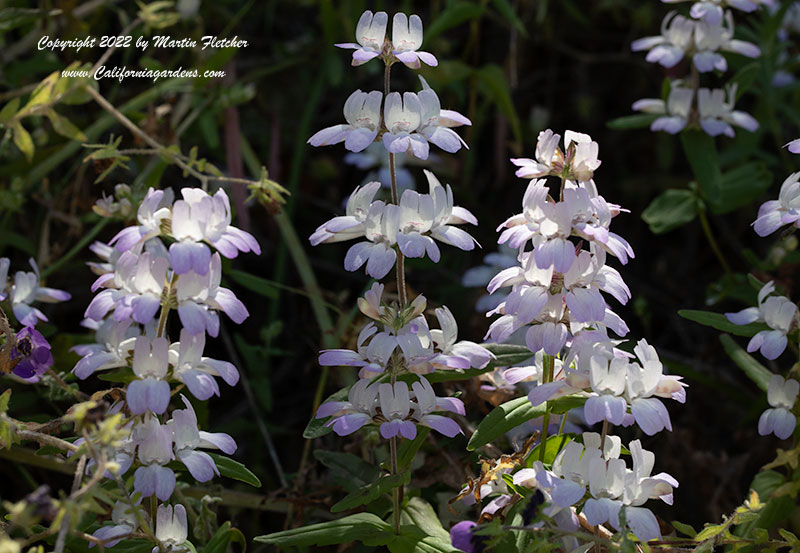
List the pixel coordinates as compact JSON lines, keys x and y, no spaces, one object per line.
{"x":710,"y":38}
{"x":712,"y":10}
{"x":370,"y":34}
{"x":717,"y":115}
{"x":402,"y":118}
{"x":171,"y":527}
{"x":773,"y":214}
{"x":154,"y":450}
{"x":200,"y":217}
{"x":779,"y":420}
{"x":196,"y":371}
{"x":154,"y":209}
{"x":151,"y":391}
{"x":406,"y":40}
{"x":794,"y":145}
{"x":582,"y":158}
{"x":435,"y":123}
{"x":380,"y":230}
{"x":675,"y":113}
{"x":778,"y":312}
{"x":25,"y":290}
{"x":362,"y":111}
{"x":675,"y":40}
{"x":549,"y":159}
{"x":350,"y":225}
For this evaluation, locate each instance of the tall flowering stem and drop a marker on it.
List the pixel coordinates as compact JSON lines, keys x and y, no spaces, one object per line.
{"x":397,"y":339}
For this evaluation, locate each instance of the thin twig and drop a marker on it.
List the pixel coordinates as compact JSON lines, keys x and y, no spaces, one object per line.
{"x":45,"y":439}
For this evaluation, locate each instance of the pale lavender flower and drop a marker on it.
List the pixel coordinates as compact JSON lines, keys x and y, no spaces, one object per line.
{"x":187,"y":440}
{"x":5,"y":263}
{"x":674,"y":114}
{"x":675,"y":40}
{"x":133,"y":291}
{"x":377,"y":252}
{"x":406,"y":40}
{"x":779,"y":419}
{"x":200,"y":297}
{"x":124,"y":523}
{"x":198,"y":372}
{"x":151,"y":391}
{"x":370,"y":34}
{"x":711,"y":38}
{"x":114,"y":342}
{"x":773,"y":214}
{"x":154,"y":448}
{"x":26,"y":289}
{"x":198,"y":218}
{"x":152,"y":212}
{"x":362,"y":111}
{"x":793,"y":146}
{"x":402,"y":117}
{"x":780,"y":315}
{"x":717,"y":115}
{"x":352,"y":224}
{"x":712,"y":10}
{"x":446,"y":340}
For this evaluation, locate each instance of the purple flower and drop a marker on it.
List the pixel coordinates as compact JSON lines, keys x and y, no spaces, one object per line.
{"x":33,"y":352}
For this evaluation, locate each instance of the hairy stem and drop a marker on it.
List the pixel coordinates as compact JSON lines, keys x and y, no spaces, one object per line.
{"x":396,"y":490}
{"x":603,"y":438}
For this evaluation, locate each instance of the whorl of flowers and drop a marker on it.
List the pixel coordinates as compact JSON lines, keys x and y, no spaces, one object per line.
{"x":704,"y":38}
{"x":163,"y":263}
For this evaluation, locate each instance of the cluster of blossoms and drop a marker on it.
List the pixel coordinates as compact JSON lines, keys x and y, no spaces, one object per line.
{"x":410,"y":227}
{"x":163,"y":263}
{"x":703,"y":38}
{"x":557,"y":300}
{"x":31,"y":354}
{"x":778,"y":313}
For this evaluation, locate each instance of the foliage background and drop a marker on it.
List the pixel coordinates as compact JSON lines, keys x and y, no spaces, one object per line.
{"x":514,"y":68}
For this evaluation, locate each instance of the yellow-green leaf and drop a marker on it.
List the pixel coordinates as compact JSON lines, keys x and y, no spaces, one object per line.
{"x":23,"y":140}
{"x":9,"y":110}
{"x":64,"y":127}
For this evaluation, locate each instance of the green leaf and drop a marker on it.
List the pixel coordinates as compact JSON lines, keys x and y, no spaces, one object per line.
{"x":670,"y":210}
{"x":4,"y":399}
{"x":421,"y":531}
{"x":637,"y":121}
{"x":505,"y":9}
{"x":23,"y":140}
{"x":742,"y":186}
{"x":508,"y":354}
{"x":746,"y":77}
{"x":234,"y":469}
{"x":453,"y":15}
{"x":515,"y":412}
{"x":684,"y":529}
{"x":552,"y":447}
{"x":254,"y":283}
{"x":368,"y":493}
{"x":752,"y":368}
{"x":364,"y":527}
{"x":354,"y":469}
{"x":766,"y":482}
{"x":64,"y":127}
{"x":502,"y":419}
{"x":224,"y":535}
{"x":701,"y":152}
{"x":710,"y":531}
{"x":122,"y":376}
{"x":316,"y":427}
{"x":408,"y":448}
{"x":497,"y":90}
{"x":720,"y":322}
{"x":9,"y":110}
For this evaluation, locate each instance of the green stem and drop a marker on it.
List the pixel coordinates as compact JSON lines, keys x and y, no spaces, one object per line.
{"x":165,"y":307}
{"x":74,"y":250}
{"x":603,"y":438}
{"x":712,"y":241}
{"x":548,"y":364}
{"x":395,"y":490}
